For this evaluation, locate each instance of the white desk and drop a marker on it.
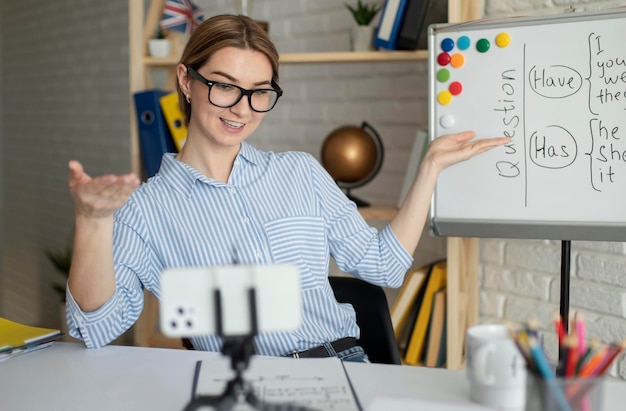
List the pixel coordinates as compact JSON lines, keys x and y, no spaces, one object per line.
{"x":68,"y":377}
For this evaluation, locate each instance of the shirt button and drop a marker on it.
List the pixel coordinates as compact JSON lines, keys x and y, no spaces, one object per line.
{"x":245,"y":220}
{"x":232,"y":190}
{"x":258,"y":254}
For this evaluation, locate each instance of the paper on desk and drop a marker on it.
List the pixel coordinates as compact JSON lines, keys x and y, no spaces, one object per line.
{"x":412,"y":404}
{"x":317,"y":383}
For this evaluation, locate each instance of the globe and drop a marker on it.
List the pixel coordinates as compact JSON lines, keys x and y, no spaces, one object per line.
{"x":353,"y":157}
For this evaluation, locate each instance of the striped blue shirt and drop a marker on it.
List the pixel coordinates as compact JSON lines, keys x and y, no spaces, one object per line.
{"x":275,"y":208}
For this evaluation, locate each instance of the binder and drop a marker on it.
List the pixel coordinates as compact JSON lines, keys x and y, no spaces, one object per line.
{"x":155,"y":138}
{"x":412,"y":25}
{"x":390,"y":22}
{"x":174,"y":118}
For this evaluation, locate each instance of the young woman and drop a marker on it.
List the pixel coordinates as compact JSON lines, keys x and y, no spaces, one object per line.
{"x":220,"y":193}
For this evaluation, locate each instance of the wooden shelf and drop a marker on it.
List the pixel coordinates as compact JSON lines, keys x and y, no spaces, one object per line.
{"x":353,"y":57}
{"x":324,"y":57}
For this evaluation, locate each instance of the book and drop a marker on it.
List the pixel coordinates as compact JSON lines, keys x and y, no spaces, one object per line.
{"x":436,"y":329}
{"x":412,"y":24}
{"x":406,"y":298}
{"x":17,"y":338}
{"x":390,"y":22}
{"x":404,"y":333}
{"x":436,"y":281}
{"x":174,"y":118}
{"x":420,"y":145}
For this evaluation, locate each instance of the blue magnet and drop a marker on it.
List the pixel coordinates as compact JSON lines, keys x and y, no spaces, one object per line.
{"x":447,"y":44}
{"x":463,"y":43}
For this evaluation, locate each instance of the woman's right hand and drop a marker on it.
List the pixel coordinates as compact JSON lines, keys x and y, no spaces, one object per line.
{"x":99,"y":197}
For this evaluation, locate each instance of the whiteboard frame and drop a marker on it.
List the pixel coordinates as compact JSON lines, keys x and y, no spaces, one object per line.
{"x":522,"y":229}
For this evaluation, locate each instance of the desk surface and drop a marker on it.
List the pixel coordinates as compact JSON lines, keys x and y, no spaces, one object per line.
{"x":68,"y":377}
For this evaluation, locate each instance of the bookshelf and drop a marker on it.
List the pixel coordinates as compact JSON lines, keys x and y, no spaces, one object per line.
{"x":462,"y":253}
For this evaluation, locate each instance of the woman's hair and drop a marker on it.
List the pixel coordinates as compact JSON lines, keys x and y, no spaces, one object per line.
{"x":221,"y":31}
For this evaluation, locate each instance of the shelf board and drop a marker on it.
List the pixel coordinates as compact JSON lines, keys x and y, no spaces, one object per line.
{"x":378,"y":212}
{"x":353,"y":57}
{"x":324,"y":57}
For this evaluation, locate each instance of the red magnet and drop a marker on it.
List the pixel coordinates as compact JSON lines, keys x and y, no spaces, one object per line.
{"x":455,"y":88}
{"x":443,"y":59}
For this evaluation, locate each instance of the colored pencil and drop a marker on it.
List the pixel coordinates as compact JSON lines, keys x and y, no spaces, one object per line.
{"x":545,"y":371}
{"x":581,"y":333}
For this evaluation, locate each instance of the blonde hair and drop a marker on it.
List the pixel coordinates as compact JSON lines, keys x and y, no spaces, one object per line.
{"x":225,"y":30}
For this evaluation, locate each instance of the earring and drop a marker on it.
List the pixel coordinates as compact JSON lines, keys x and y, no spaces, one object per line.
{"x":188,"y":98}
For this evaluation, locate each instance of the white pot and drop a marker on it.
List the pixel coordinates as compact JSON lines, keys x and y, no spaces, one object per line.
{"x":362,"y":38}
{"x":159,"y":47}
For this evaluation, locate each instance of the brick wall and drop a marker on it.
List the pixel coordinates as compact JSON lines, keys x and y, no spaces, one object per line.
{"x":520,"y":279}
{"x":64,"y":70}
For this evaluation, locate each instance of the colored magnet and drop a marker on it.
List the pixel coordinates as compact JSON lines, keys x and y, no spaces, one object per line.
{"x":443,"y":59}
{"x":482,"y":45}
{"x":455,"y":88}
{"x":463,"y":43}
{"x":457,"y":60}
{"x":443,"y":75}
{"x":447,"y":44}
{"x":447,"y":121}
{"x":503,"y":40}
{"x":444,"y":98}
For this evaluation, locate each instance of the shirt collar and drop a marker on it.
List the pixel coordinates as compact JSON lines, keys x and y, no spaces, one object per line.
{"x":182,"y":177}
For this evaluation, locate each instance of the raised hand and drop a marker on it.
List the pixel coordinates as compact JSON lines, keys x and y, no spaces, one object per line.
{"x":98,"y":197}
{"x":454,"y":148}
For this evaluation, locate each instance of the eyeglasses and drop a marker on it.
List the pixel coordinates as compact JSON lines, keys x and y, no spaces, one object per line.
{"x":226,"y":95}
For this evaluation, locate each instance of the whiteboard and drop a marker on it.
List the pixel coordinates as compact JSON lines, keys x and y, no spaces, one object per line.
{"x":556,"y":85}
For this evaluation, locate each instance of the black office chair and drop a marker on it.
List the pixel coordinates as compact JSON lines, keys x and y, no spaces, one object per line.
{"x":372,"y":315}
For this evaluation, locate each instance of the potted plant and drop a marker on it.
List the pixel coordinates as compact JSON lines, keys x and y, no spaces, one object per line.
{"x":159,"y":45}
{"x":62,"y":261}
{"x":363,"y":33}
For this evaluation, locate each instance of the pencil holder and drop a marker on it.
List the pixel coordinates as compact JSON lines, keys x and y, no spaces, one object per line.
{"x":564,"y":394}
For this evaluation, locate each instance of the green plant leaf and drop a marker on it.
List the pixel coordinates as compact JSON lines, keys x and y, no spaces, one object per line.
{"x":363,"y":13}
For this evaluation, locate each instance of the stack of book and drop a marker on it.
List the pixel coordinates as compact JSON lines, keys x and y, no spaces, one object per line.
{"x":418,"y":316}
{"x":17,"y":339}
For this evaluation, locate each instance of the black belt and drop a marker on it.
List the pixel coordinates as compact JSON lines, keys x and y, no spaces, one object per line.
{"x":321,"y":351}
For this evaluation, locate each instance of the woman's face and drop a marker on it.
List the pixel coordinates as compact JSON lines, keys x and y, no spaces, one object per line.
{"x":228,"y":126}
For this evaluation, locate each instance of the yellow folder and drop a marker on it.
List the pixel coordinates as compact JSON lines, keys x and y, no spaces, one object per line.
{"x":174,"y":118}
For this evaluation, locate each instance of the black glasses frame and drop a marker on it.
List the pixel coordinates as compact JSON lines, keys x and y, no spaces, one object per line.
{"x":243,"y":91}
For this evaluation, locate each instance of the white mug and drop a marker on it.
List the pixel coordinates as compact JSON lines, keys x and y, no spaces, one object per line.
{"x":495,"y":368}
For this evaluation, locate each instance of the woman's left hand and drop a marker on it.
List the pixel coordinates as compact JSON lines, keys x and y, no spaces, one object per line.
{"x":450,"y":149}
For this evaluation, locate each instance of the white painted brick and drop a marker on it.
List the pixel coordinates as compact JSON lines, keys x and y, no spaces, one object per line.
{"x":514,"y":282}
{"x":492,"y":304}
{"x":591,"y":296}
{"x":608,"y":269}
{"x":533,"y":255}
{"x":491,"y":251}
{"x":519,"y":309}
